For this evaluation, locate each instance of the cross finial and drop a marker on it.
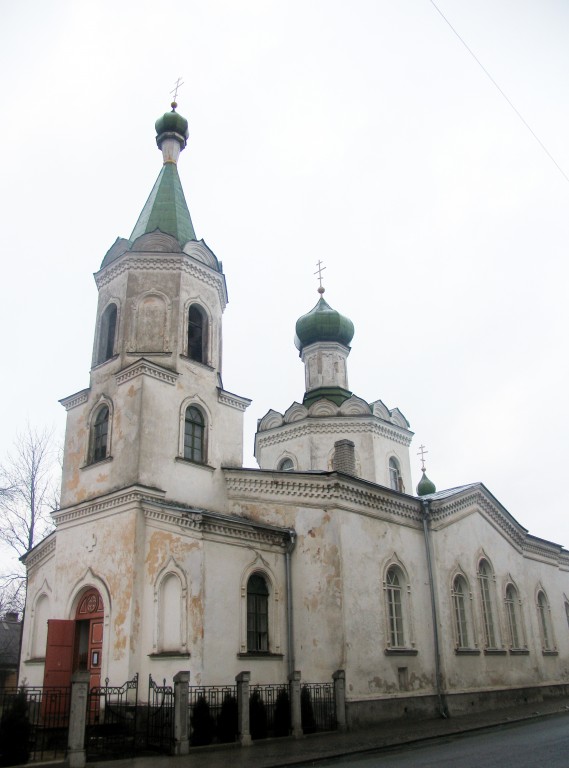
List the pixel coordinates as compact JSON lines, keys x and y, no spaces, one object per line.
{"x":179,"y":83}
{"x":319,"y":273}
{"x":421,"y":452}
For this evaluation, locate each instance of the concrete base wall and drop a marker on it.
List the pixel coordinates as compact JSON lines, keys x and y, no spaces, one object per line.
{"x":363,"y":714}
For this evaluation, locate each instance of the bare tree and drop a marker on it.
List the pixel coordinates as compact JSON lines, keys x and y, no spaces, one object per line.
{"x":27,"y":497}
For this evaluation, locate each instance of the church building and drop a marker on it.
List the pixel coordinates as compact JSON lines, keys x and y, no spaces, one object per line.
{"x":169,"y":555}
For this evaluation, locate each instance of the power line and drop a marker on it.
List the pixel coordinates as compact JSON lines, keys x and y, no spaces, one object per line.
{"x":489,"y":76}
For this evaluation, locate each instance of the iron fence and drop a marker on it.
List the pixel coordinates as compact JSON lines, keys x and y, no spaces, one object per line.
{"x":213,"y":714}
{"x":269,"y":711}
{"x":112,"y":720}
{"x":160,"y":717}
{"x":34,"y":723}
{"x":317,"y":707}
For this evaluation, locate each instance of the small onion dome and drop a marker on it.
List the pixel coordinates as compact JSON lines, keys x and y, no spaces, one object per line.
{"x":171,"y":124}
{"x":323,"y":324}
{"x":425,"y":486}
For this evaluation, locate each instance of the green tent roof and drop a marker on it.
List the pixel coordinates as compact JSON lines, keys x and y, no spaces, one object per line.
{"x":166,"y":208}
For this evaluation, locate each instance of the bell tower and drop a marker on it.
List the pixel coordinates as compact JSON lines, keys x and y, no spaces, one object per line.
{"x":155,"y":413}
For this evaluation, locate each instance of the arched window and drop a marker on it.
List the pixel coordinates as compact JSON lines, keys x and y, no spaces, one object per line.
{"x":107,"y":332}
{"x":285,"y":465}
{"x":513,"y":611}
{"x":100,"y":435}
{"x":395,"y":599}
{"x":485,"y":580}
{"x":544,"y":616}
{"x":257,"y":614}
{"x":567,"y":612}
{"x":395,"y":480}
{"x":461,"y":611}
{"x":197,"y":334}
{"x":194,"y":435}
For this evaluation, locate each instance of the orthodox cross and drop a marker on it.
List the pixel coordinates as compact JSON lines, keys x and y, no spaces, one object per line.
{"x":422,"y":453}
{"x":179,"y":83}
{"x":319,"y":273}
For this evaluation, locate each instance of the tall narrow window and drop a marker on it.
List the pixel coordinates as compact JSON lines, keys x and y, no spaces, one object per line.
{"x":197,"y":334}
{"x":485,"y":579}
{"x":100,"y":434}
{"x":194,"y":448}
{"x":567,"y":612}
{"x":513,"y":612}
{"x":395,"y":480}
{"x":257,"y":614}
{"x":107,"y":331}
{"x":459,"y":598}
{"x":544,"y":622}
{"x":394,"y":594}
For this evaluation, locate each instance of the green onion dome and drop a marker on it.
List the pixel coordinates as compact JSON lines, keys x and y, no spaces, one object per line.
{"x":425,"y":486}
{"x":172,"y":123}
{"x":323,"y":324}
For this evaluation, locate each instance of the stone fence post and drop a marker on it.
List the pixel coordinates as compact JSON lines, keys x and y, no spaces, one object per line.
{"x":243,"y":733}
{"x":181,"y":713}
{"x":295,"y":711}
{"x":339,"y":678}
{"x":76,"y":757}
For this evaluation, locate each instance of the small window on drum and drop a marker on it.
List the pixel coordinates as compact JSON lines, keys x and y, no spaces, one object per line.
{"x":285,"y":465}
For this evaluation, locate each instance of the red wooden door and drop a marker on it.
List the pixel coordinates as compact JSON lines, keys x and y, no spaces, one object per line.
{"x":59,"y":652}
{"x":89,"y":635}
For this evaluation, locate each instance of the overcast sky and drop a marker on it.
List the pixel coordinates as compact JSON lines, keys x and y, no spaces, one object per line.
{"x":361,"y":133}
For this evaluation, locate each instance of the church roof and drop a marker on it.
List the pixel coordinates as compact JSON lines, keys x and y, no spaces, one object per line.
{"x":323,"y":323}
{"x":166,"y":208}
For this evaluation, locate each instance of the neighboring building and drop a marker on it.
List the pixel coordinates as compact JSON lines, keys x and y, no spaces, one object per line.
{"x":10,"y":633}
{"x":169,"y":555}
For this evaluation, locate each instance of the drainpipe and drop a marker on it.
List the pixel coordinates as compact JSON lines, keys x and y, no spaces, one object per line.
{"x":440,"y":694}
{"x":289,"y":624}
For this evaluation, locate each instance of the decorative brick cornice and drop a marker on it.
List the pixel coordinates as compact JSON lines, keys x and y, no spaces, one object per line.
{"x":477,"y":500}
{"x":330,"y":489}
{"x":233,"y":401}
{"x":74,"y":400}
{"x":209,"y":524}
{"x":330,"y":425}
{"x":108,"y":503}
{"x":144,"y":367}
{"x":158,"y":262}
{"x":40,"y":552}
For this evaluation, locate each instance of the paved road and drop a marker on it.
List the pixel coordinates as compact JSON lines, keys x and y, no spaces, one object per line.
{"x":532,"y":744}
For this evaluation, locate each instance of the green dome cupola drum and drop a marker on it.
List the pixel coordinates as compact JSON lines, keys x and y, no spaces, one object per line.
{"x":323,"y":323}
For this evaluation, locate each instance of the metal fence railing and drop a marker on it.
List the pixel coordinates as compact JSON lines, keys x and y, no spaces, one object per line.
{"x":160,"y":717}
{"x":213,"y":714}
{"x":269,"y":711}
{"x":112,"y":720}
{"x":317,"y":707}
{"x":34,"y":723}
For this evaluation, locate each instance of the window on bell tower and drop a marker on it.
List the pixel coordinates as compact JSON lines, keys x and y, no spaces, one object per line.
{"x":107,"y":332}
{"x":197,"y":334}
{"x":100,"y":435}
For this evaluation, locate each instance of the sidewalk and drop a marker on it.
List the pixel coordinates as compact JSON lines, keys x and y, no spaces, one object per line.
{"x":277,"y":753}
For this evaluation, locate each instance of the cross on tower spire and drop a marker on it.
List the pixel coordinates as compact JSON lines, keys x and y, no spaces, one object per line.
{"x":179,"y":83}
{"x":319,"y":273}
{"x":421,"y":452}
